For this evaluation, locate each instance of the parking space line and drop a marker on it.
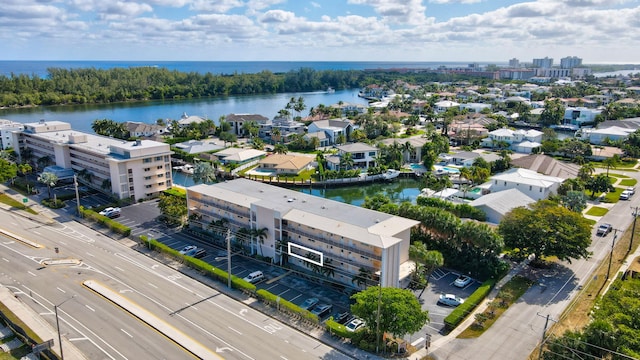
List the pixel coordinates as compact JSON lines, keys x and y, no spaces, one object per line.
{"x":295,"y":297}
{"x":284,"y":292}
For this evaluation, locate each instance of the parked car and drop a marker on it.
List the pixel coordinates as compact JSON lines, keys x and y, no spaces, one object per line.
{"x":200,"y":253}
{"x":626,"y":195}
{"x":354,"y":325}
{"x":322,"y":310}
{"x":450,"y":300}
{"x":342,"y":318}
{"x":309,"y":303}
{"x":110,"y":212}
{"x":254,"y":277}
{"x":632,"y":190}
{"x":462,"y":281}
{"x":604,"y":229}
{"x":189,"y":250}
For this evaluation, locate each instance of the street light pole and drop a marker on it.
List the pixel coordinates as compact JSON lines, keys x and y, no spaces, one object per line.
{"x":613,"y":243}
{"x":55,"y":310}
{"x":633,"y":229}
{"x":75,"y":184}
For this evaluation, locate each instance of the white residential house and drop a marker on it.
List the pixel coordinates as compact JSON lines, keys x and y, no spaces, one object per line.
{"x":415,"y":154}
{"x":496,"y":204}
{"x":518,"y":140}
{"x":475,"y":107}
{"x":605,"y":135}
{"x":363,"y":155}
{"x":580,"y":115}
{"x":467,"y":158}
{"x":333,"y":128}
{"x":536,"y":186}
{"x":442,"y":106}
{"x":140,"y":129}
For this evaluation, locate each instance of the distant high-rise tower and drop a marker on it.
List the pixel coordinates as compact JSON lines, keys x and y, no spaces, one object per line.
{"x":570,"y":62}
{"x":543,"y":63}
{"x":514,"y":63}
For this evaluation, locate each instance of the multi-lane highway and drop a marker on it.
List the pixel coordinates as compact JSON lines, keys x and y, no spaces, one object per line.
{"x":102,"y":330}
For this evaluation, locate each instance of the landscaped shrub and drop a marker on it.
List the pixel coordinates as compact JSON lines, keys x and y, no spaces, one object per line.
{"x":53,"y":203}
{"x":103,"y":220}
{"x":287,"y":305}
{"x":338,"y":329}
{"x":461,"y":312}
{"x":460,"y":210}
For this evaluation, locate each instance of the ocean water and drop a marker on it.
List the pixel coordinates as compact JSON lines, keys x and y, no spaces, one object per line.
{"x":39,"y":68}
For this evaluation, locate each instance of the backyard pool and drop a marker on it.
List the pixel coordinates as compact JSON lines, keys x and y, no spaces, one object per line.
{"x":450,"y":170}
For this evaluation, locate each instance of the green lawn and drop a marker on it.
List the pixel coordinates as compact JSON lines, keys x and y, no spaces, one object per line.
{"x":6,"y":199}
{"x":628,"y":182}
{"x":597,"y":211}
{"x":618,"y":176}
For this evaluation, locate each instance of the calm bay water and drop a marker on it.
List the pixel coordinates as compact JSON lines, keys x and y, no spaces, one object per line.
{"x":81,"y":116}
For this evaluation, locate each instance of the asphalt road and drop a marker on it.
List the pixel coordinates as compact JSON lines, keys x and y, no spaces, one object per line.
{"x":104,"y":331}
{"x":518,"y":331}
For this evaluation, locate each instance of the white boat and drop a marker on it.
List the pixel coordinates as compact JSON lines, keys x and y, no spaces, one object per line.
{"x":330,"y":90}
{"x":390,"y":174}
{"x":187,"y":168}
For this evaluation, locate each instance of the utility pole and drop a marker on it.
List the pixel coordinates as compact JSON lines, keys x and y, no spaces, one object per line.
{"x":633,"y":229}
{"x":228,"y":238}
{"x":613,"y":243}
{"x":378,"y":317}
{"x":55,"y":310}
{"x":544,"y":334}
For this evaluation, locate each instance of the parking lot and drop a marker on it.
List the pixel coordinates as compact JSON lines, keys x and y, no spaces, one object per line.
{"x":290,"y":285}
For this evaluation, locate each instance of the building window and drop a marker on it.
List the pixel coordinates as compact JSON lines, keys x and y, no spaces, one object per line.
{"x":147,"y":177}
{"x":159,"y":167}
{"x":530,"y":187}
{"x":147,"y":169}
{"x":130,"y":171}
{"x":148,"y":186}
{"x":146,"y":160}
{"x":158,"y":158}
{"x":160,"y":175}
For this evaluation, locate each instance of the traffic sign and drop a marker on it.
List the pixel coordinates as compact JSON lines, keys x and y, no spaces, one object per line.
{"x":25,"y":200}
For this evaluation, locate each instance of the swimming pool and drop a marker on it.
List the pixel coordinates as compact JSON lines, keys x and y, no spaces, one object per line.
{"x":416,"y":166}
{"x":450,"y":170}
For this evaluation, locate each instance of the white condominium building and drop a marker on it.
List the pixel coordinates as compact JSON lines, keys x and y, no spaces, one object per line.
{"x":129,"y":169}
{"x":349,"y":239}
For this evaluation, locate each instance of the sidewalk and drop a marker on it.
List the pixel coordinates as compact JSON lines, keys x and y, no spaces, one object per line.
{"x":38,"y":325}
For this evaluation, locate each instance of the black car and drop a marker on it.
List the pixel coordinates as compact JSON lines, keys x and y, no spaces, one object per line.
{"x":322,"y":310}
{"x":342,"y":318}
{"x":200,"y":253}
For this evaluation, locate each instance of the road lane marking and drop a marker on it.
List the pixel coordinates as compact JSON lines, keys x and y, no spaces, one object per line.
{"x":35,"y":232}
{"x":32,"y":274}
{"x":90,"y":308}
{"x":7,"y":260}
{"x":283,"y":358}
{"x":64,"y":292}
{"x":234,"y":330}
{"x":63,"y":243}
{"x":8,"y":242}
{"x":131,"y":336}
{"x":90,"y":254}
{"x":119,"y":268}
{"x":152,"y":285}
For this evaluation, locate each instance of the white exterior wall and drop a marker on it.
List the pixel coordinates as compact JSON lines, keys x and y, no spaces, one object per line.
{"x":534,"y":192}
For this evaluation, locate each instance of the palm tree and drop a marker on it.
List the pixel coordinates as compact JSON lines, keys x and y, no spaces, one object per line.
{"x":408,"y":149}
{"x":203,"y":172}
{"x":43,"y":162}
{"x":346,"y":161}
{"x":276,"y":135}
{"x":611,"y":162}
{"x":465,"y":173}
{"x":260,"y":235}
{"x":280,"y":149}
{"x":49,"y":179}
{"x":586,"y":171}
{"x":363,"y":276}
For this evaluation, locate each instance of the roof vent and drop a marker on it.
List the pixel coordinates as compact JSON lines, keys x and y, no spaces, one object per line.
{"x":323,"y":207}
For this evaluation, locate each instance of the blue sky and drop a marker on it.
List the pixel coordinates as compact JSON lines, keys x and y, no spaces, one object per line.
{"x":599,"y":31}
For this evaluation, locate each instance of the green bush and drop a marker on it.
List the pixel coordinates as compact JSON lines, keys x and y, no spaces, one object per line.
{"x":287,"y":305}
{"x":338,"y":329}
{"x":459,"y":210}
{"x":103,"y":220}
{"x":461,"y":312}
{"x":197,"y":264}
{"x":53,"y":203}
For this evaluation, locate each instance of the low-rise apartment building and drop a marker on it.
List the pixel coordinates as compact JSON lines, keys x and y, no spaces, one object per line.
{"x":299,"y":227}
{"x":133,"y":170}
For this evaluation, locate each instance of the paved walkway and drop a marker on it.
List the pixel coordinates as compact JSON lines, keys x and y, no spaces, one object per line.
{"x":38,"y":325}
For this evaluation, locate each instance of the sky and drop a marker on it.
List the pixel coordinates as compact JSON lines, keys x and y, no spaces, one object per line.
{"x":598,"y":31}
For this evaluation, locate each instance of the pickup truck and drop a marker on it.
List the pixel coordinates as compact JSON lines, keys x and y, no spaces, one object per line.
{"x":604,"y":229}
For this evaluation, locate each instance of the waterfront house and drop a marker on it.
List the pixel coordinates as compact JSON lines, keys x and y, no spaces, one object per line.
{"x":285,"y":164}
{"x":518,"y":140}
{"x":363,"y":155}
{"x":340,"y":236}
{"x":536,"y":186}
{"x":409,"y":155}
{"x":238,"y":120}
{"x":139,"y":129}
{"x":603,"y":136}
{"x":238,"y":156}
{"x":547,"y":165}
{"x":333,"y":128}
{"x":199,"y":146}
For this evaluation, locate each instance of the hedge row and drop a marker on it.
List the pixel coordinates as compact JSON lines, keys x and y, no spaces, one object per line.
{"x":464,"y":309}
{"x":198,"y":264}
{"x":287,"y":305}
{"x":103,"y":220}
{"x":222,"y":276}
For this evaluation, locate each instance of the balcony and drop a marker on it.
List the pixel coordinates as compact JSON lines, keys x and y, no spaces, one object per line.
{"x":337,"y":258}
{"x":324,"y":240}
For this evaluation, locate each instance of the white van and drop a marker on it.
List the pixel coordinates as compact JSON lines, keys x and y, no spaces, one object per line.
{"x":254,"y":277}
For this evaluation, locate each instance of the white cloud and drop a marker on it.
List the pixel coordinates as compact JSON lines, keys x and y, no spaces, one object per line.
{"x":217,"y":6}
{"x":409,"y":12}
